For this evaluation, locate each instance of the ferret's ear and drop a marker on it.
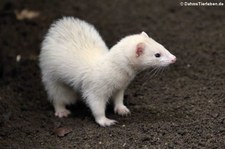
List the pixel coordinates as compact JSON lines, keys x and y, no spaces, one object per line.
{"x":144,"y":34}
{"x":140,"y":49}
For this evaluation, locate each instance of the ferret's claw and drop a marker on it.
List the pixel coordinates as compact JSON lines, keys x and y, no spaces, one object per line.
{"x":106,"y":122}
{"x":62,"y":113}
{"x":122,"y":110}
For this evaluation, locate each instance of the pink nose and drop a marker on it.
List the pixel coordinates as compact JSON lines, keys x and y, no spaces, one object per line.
{"x":173,"y":60}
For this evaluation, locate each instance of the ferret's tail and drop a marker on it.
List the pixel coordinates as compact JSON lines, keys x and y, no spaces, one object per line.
{"x":81,"y":35}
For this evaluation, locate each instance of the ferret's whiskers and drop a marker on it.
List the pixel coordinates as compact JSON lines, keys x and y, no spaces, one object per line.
{"x":161,"y":70}
{"x":152,"y":73}
{"x":144,"y":77}
{"x":155,"y":73}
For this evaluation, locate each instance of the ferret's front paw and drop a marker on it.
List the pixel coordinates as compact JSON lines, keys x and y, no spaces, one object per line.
{"x":122,"y":110}
{"x":62,"y":113}
{"x":105,"y":122}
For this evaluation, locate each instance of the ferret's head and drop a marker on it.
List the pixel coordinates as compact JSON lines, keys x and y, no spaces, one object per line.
{"x":145,"y":52}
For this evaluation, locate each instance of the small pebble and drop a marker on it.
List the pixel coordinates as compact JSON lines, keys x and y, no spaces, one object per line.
{"x":18,"y":58}
{"x":62,"y":131}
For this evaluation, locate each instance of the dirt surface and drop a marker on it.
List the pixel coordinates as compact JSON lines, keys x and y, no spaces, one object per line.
{"x":183,"y":107}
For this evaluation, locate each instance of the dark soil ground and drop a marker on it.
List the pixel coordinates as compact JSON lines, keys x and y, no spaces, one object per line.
{"x":184,"y":107}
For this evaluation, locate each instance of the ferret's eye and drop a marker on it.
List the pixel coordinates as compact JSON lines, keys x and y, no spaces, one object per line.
{"x":157,"y":55}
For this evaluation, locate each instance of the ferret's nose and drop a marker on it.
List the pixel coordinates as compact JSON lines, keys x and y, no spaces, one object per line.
{"x":173,"y":60}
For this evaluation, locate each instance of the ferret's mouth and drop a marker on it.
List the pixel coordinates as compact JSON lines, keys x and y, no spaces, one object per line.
{"x":173,"y":60}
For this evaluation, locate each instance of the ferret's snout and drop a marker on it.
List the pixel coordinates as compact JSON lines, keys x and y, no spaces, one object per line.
{"x":174,"y":60}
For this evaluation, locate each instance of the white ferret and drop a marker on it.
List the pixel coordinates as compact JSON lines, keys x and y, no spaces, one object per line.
{"x":74,"y":58}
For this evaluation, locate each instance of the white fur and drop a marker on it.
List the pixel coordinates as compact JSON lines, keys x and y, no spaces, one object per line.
{"x":74,"y":58}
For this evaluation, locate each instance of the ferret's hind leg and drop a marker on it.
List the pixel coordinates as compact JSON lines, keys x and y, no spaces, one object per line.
{"x":60,"y":110}
{"x":61,"y":95}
